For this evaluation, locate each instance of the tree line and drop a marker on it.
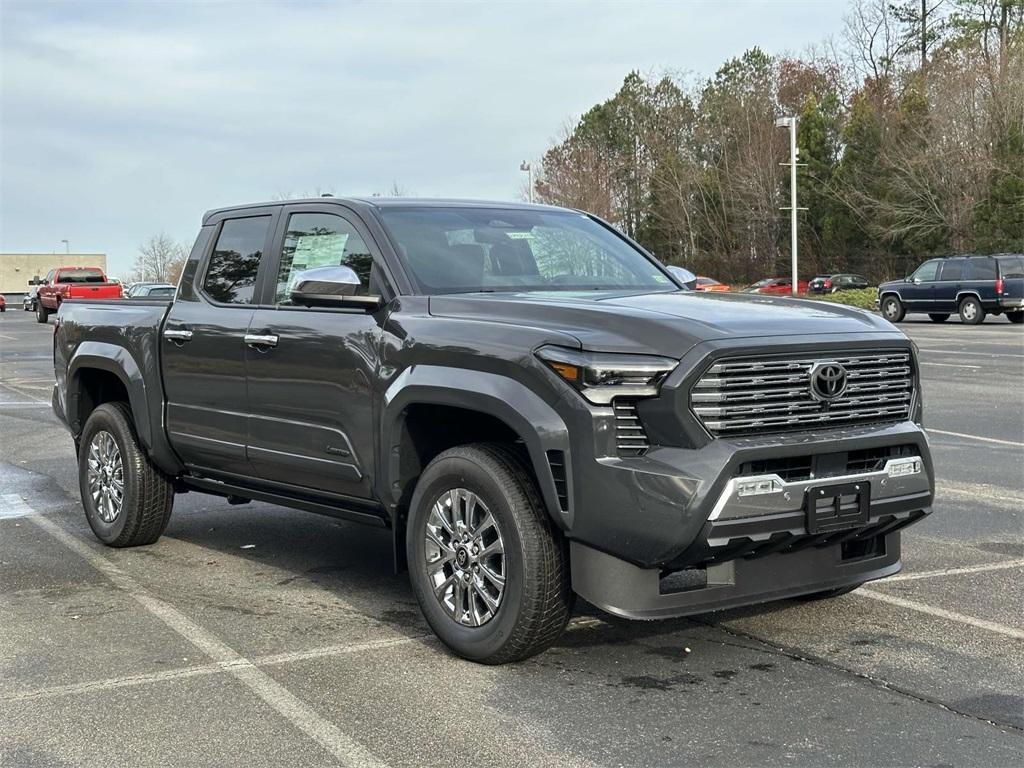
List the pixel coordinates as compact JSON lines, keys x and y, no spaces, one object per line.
{"x":910,"y":132}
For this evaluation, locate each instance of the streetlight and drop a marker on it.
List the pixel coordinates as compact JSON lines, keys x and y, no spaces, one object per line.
{"x":67,"y":246}
{"x":526,"y":168}
{"x":790,"y":122}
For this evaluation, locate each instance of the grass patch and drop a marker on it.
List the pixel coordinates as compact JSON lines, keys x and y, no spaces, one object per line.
{"x":863,"y":298}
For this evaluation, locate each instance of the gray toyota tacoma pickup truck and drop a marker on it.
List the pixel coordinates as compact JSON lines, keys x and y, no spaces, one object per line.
{"x":522,"y":394}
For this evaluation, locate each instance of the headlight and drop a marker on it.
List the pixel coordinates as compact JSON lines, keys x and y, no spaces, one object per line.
{"x":601,"y":376}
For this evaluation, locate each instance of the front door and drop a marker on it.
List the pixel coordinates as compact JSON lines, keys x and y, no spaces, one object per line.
{"x":311,"y":370}
{"x":203,"y":348}
{"x":917,"y":293}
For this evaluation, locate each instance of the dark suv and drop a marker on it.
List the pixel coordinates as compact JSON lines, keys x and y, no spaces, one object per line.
{"x":972,"y":286}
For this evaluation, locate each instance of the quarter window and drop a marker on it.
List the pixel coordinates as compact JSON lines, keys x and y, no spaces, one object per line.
{"x":235,"y":262}
{"x":321,"y":240}
{"x":982,"y":269}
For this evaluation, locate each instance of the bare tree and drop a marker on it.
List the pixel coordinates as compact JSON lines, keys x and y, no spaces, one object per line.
{"x":875,"y":39}
{"x":160,"y":260}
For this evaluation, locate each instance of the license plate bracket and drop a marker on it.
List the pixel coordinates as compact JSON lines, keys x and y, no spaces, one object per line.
{"x":837,"y":507}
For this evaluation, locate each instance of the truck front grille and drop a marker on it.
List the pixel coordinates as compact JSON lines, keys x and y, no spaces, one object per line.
{"x":745,"y":396}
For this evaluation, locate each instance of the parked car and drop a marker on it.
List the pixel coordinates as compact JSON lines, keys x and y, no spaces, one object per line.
{"x":28,"y":301}
{"x":521,"y":395}
{"x":3,"y":303}
{"x":712,"y":285}
{"x":971,"y":286}
{"x":65,"y":283}
{"x":150,"y":291}
{"x":776,"y":286}
{"x":836,"y":283}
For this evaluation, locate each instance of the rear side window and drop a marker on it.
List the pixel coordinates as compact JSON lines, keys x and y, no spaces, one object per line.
{"x":1011,"y":267}
{"x":231,"y":274}
{"x":981,"y":269}
{"x":952,"y":269}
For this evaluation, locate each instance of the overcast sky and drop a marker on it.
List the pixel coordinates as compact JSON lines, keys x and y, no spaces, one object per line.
{"x":119,"y":121}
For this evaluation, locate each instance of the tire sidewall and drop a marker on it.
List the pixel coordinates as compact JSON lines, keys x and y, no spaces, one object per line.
{"x":978,"y":316}
{"x":891,"y":301}
{"x":104,"y":420}
{"x":476,"y":643}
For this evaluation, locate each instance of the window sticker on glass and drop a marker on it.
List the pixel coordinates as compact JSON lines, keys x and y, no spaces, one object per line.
{"x":319,"y":250}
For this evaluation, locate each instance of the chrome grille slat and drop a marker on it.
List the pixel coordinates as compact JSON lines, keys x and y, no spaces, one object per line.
{"x":748,"y":396}
{"x":630,"y":437}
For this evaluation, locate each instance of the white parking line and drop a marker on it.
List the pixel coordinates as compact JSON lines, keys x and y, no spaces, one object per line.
{"x":963,"y":352}
{"x":931,"y":430}
{"x":942,"y":613}
{"x":12,"y":505}
{"x":952,"y":365}
{"x":300,"y":714}
{"x":1001,"y":566}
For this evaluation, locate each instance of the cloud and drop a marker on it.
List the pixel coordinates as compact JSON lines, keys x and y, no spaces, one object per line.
{"x":119,"y":121}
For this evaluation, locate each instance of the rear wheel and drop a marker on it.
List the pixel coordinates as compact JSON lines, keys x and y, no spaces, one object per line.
{"x":893,"y":309}
{"x":938,"y":318}
{"x":127,"y":499}
{"x":971,"y":311}
{"x":42,"y":313}
{"x":488,"y":567}
{"x":1015,"y":317}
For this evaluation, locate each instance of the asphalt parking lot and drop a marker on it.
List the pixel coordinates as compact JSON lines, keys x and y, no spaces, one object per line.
{"x":258,"y":636}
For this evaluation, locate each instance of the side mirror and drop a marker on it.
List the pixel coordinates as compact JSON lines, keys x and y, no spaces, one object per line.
{"x":684,"y":276}
{"x":916,"y":281}
{"x":331,"y":287}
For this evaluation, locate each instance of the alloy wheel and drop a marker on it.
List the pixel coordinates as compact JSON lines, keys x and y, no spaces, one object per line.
{"x":105,"y":476}
{"x":465,"y":557}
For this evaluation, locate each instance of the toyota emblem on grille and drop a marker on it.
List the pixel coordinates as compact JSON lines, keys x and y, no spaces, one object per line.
{"x":828,"y":380}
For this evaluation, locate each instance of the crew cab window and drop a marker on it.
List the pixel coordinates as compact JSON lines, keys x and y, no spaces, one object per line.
{"x":231,"y":274}
{"x":981,"y":269}
{"x":321,"y":240}
{"x":927,"y":271}
{"x":952,"y":269}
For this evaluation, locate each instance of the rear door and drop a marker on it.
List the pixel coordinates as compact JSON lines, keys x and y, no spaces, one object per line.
{"x":980,"y":275}
{"x":203,"y":345}
{"x":311,"y":382}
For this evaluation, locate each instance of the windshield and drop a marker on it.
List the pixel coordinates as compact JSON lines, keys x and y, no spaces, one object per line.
{"x":461,"y":250}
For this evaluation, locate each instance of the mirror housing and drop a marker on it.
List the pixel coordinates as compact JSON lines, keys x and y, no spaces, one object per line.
{"x":684,"y":276}
{"x":331,"y":287}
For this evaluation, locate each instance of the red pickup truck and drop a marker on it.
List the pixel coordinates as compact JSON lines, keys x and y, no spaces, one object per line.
{"x":65,"y":283}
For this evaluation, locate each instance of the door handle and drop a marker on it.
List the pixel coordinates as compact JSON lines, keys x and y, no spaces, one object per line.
{"x":177,"y":335}
{"x":257,"y":340}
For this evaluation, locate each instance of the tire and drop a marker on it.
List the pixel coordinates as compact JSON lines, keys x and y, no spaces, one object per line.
{"x":971,"y":311}
{"x":42,"y":313}
{"x":893,"y":309}
{"x":938,"y":318}
{"x":147,"y":493}
{"x":1015,"y":317}
{"x":533,"y":607}
{"x":828,"y":594}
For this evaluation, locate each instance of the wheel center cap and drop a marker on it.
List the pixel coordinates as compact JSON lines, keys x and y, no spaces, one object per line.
{"x":462,"y":557}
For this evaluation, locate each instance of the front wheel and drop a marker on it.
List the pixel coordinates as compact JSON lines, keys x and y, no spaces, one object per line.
{"x":938,"y":318}
{"x":971,"y":311}
{"x":893,"y":309}
{"x":488,"y":567}
{"x":127,"y":499}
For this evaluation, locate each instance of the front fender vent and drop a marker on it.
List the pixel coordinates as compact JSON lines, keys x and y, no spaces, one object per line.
{"x":630,"y":437}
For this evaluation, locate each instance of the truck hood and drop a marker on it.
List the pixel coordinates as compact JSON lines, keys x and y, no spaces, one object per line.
{"x":665,"y":323}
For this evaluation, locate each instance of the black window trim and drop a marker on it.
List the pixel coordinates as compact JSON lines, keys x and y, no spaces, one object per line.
{"x":199,"y":283}
{"x":346,"y":214}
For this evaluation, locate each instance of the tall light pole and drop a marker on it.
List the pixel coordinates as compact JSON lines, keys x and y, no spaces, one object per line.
{"x":67,"y":246}
{"x":526,"y":168}
{"x":790,"y":122}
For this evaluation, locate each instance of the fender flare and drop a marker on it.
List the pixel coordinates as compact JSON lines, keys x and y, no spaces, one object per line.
{"x":119,"y":362}
{"x":522,"y":410}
